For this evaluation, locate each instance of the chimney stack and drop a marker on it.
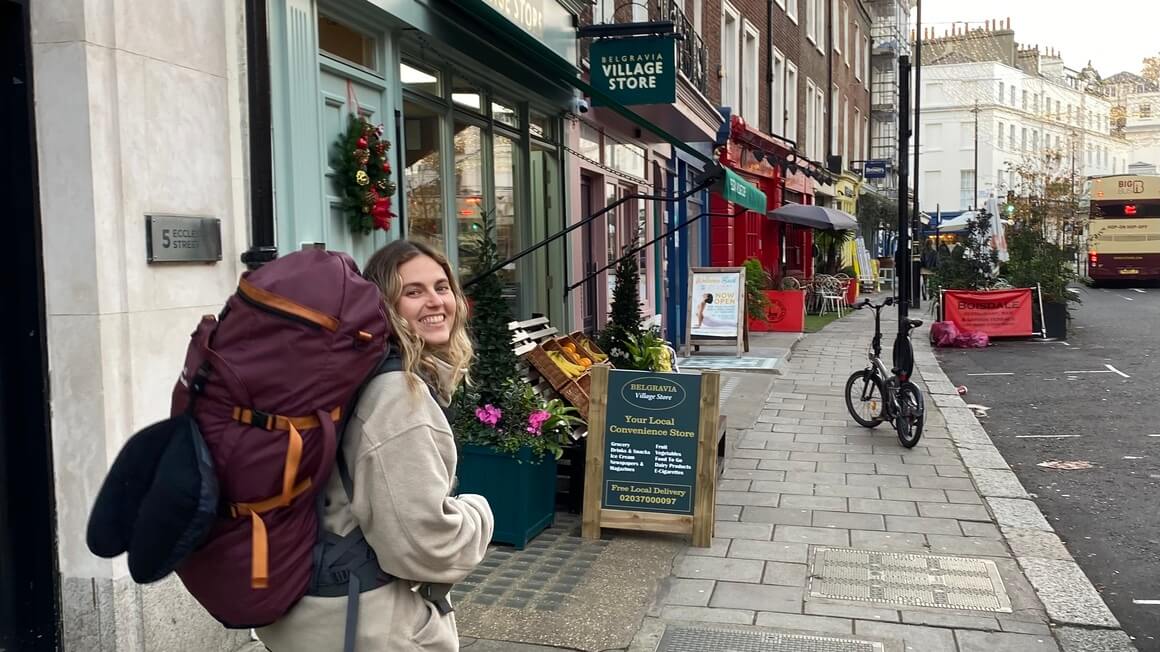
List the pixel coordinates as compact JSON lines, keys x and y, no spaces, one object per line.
{"x":1008,"y":22}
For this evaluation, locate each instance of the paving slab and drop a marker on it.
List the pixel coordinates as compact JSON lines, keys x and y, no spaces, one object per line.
{"x":1012,"y":512}
{"x":970,"y":641}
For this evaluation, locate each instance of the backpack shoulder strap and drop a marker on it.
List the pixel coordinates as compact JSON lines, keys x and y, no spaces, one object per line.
{"x":392,"y":361}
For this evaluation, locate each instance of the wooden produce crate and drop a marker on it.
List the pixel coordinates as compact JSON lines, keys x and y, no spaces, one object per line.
{"x":546,"y":379}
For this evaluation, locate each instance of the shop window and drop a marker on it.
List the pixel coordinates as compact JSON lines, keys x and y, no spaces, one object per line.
{"x":466,"y":94}
{"x":416,"y":77}
{"x":469,"y":199}
{"x":542,"y":126}
{"x":423,"y":187}
{"x":346,"y":43}
{"x":589,"y":142}
{"x":505,"y":114}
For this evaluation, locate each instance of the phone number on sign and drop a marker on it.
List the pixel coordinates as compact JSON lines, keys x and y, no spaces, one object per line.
{"x":655,"y":500}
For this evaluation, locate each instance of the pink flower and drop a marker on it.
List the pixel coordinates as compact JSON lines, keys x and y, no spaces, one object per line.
{"x":536,"y":421}
{"x":488,"y":414}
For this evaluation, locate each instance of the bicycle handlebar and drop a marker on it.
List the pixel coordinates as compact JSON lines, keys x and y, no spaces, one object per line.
{"x":865,"y":303}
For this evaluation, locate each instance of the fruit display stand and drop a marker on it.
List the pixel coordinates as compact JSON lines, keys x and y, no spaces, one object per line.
{"x":529,"y":338}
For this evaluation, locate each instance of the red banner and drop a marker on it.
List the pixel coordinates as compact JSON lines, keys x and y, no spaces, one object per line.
{"x":998,"y":313}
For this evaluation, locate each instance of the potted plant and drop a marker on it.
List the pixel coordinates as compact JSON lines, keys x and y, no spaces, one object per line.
{"x":624,"y":323}
{"x":756,"y":283}
{"x":509,"y":438}
{"x":1035,"y":260}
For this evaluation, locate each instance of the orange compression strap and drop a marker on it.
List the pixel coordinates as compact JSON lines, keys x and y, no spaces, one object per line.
{"x":259,"y":419}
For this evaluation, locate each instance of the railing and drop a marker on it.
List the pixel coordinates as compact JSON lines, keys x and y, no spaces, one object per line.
{"x":692,"y":59}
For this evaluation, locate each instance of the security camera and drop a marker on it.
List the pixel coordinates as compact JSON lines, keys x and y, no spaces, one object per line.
{"x":579,"y":105}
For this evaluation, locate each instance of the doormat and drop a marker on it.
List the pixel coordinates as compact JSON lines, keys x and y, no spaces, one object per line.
{"x":728,"y":362}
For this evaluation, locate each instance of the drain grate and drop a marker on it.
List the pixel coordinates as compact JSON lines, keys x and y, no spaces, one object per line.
{"x":908,"y":579}
{"x":702,"y":639}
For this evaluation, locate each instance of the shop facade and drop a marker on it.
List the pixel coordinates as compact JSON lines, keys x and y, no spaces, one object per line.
{"x":771,"y":164}
{"x":475,"y":125}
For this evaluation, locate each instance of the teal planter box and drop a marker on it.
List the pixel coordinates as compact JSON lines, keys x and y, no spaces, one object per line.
{"x":521,"y":491}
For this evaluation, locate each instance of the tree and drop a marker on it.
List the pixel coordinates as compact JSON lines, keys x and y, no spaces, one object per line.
{"x":971,"y":265}
{"x":1042,"y":244}
{"x":876,"y":213}
{"x":495,"y":366}
{"x":624,"y":324}
{"x":1151,"y":69}
{"x":830,"y":244}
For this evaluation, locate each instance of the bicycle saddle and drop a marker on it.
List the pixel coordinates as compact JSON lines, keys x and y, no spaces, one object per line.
{"x":914,"y":323}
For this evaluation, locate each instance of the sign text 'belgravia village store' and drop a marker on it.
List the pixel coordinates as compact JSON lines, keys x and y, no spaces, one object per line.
{"x":633,"y":71}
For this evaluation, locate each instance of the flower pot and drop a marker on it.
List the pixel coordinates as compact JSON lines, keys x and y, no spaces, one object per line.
{"x":520,"y":489}
{"x":1055,"y":319}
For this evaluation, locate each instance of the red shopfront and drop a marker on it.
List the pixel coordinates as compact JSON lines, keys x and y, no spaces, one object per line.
{"x":763,"y":161}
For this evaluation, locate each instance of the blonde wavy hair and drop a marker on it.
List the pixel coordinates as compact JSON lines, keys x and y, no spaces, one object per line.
{"x":419,"y":358}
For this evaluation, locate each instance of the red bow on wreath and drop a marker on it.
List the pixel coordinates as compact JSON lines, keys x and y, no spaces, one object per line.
{"x":381,"y":213}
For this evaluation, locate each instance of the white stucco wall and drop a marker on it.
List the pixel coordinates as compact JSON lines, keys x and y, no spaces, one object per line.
{"x":139,"y":109}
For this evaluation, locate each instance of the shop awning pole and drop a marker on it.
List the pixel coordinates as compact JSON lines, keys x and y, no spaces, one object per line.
{"x":708,"y":178}
{"x":635,"y":250}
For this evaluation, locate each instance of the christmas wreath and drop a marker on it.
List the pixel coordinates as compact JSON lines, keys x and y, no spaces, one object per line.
{"x":363,"y":176}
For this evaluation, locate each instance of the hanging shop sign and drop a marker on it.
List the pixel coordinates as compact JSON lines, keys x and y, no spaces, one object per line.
{"x":735,"y":189}
{"x":874,"y":169}
{"x":652,"y":452}
{"x":636,"y":70}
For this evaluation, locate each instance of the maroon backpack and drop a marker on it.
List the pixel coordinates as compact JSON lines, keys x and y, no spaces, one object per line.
{"x":270,"y":380}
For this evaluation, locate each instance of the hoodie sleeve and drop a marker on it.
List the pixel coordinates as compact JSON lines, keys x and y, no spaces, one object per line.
{"x":402,"y":485}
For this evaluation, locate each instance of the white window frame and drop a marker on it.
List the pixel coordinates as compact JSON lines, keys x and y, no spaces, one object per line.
{"x":810,"y":120}
{"x":835,"y":104}
{"x":866,"y":54}
{"x":604,"y":12}
{"x":835,"y":28}
{"x":730,"y":57}
{"x":699,"y":16}
{"x":845,"y":139}
{"x":844,"y":33}
{"x":751,"y":80}
{"x":777,"y":94}
{"x":856,"y":152}
{"x":820,"y":136}
{"x":857,"y":52}
{"x":811,"y":20}
{"x":791,"y":9}
{"x":1002,"y":136}
{"x":820,"y":27}
{"x":791,"y":100}
{"x":639,"y":12}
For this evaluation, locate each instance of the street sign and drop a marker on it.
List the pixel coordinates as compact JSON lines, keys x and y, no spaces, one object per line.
{"x":174,"y":239}
{"x":635,"y":70}
{"x":875,"y":169}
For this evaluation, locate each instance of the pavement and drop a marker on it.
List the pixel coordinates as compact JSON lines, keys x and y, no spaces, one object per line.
{"x":1039,"y":412}
{"x":834,"y":537}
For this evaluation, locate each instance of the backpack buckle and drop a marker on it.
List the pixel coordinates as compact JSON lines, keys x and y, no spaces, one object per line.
{"x":261,"y":419}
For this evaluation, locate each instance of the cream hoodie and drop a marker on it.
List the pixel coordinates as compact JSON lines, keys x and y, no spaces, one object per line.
{"x":402,"y":458}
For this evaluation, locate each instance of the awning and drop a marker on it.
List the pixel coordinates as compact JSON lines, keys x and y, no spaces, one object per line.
{"x":735,"y":189}
{"x":816,"y":217}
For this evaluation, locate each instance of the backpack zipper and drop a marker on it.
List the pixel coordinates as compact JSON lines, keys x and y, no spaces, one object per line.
{"x":274,"y":311}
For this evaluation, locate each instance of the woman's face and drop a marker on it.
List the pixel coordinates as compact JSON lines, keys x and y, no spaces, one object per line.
{"x":427,"y":303}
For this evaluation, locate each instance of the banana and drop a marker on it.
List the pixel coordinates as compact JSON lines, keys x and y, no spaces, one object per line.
{"x":571,"y":369}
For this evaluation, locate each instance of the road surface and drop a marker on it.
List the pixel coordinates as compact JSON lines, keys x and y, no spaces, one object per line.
{"x":1094,"y":399}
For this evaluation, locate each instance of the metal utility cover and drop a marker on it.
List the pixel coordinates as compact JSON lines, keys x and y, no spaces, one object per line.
{"x":717,"y":639}
{"x":912,"y":580}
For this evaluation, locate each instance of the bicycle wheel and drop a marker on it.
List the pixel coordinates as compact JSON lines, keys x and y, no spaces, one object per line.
{"x":911,"y":415}
{"x":864,"y":398}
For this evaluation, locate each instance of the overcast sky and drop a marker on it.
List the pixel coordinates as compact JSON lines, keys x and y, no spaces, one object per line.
{"x":1114,"y":34}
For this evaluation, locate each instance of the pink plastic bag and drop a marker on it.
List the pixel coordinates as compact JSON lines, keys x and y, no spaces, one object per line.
{"x":944,"y":333}
{"x":973,"y":340}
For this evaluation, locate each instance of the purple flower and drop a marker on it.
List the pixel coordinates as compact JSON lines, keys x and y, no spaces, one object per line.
{"x":488,"y":414}
{"x":536,"y":421}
